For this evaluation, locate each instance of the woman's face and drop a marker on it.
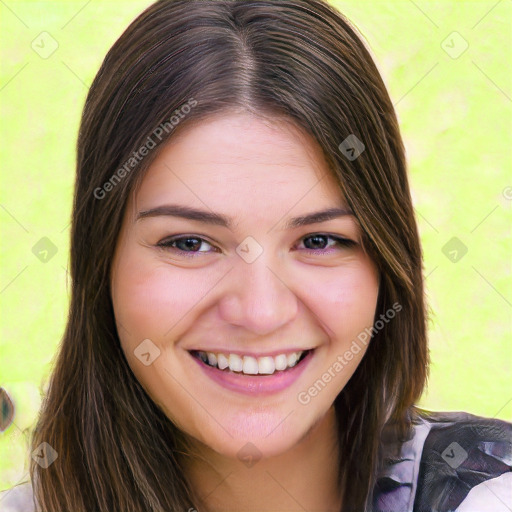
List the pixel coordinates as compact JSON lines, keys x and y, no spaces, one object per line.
{"x":218,"y":257}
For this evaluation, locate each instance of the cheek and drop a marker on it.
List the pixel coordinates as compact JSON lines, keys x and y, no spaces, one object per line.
{"x":151,"y":297}
{"x":346,"y":303}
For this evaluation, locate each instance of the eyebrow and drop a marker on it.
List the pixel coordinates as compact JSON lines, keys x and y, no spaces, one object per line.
{"x":186,"y":212}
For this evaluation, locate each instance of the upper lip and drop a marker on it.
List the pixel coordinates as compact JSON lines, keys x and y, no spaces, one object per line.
{"x":239,"y":352}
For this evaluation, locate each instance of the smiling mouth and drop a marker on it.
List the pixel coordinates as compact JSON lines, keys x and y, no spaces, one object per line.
{"x":249,"y":365}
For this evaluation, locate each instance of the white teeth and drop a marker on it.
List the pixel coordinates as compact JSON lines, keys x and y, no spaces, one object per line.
{"x":292,"y":359}
{"x":235,"y":363}
{"x":250,"y":365}
{"x":212,"y":359}
{"x":281,"y":362}
{"x":222,"y":362}
{"x":265,"y":365}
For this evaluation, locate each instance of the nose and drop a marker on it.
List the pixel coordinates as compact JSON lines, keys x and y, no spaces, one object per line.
{"x":257,"y":297}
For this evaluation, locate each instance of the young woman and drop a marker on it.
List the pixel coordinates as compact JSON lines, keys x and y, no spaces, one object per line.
{"x":247,"y":328}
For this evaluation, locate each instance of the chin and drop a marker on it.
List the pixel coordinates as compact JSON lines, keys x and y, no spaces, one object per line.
{"x":256,"y":434}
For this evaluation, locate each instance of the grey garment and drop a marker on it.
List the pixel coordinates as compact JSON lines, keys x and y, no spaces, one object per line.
{"x":18,"y":498}
{"x":453,"y":462}
{"x":402,"y":469}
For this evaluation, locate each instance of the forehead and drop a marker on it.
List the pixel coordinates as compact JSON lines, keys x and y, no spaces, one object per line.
{"x":240,"y":159}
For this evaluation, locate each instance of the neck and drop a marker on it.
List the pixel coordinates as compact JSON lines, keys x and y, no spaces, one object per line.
{"x":303,"y":478}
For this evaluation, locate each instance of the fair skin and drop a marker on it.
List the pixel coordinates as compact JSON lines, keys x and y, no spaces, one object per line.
{"x":299,"y":293}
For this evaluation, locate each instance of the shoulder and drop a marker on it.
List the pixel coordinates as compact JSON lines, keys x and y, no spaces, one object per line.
{"x":18,"y":498}
{"x":464,"y":457}
{"x":453,"y":461}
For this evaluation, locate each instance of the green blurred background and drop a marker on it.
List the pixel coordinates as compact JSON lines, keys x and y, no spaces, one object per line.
{"x":447,"y":67}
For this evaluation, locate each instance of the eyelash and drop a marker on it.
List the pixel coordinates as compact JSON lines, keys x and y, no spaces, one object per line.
{"x":167,"y":244}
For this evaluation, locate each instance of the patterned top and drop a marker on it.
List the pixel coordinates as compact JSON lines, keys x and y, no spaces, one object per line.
{"x":454,"y":462}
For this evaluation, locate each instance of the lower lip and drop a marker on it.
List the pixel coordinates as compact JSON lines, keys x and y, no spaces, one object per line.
{"x":255,"y":385}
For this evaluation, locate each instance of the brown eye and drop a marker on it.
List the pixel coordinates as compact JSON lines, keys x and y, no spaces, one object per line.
{"x":188,"y":245}
{"x":318,"y":243}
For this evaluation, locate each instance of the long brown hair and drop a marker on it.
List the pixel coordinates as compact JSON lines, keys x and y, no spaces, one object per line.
{"x":296,"y":59}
